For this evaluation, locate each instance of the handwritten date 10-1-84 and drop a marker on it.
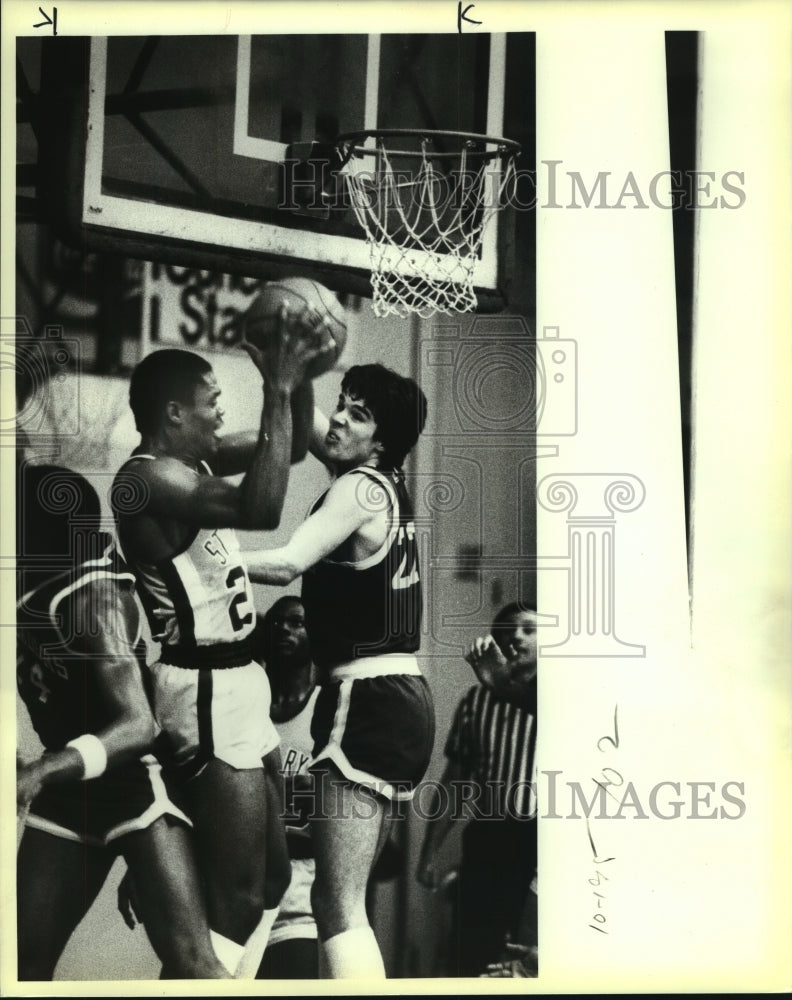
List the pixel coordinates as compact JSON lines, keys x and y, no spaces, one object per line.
{"x":608,"y":776}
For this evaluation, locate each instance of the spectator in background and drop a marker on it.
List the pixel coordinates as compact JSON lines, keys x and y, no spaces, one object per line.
{"x":281,"y":642}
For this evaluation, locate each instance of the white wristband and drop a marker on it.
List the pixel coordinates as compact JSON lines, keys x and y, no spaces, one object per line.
{"x":93,"y":753}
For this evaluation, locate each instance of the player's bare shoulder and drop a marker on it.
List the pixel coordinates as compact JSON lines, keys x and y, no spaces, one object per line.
{"x":146,"y":479}
{"x":364,"y":497}
{"x":373,"y":489}
{"x":147,"y":496}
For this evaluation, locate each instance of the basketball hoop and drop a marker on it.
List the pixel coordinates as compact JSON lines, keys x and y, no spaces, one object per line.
{"x":424,"y":211}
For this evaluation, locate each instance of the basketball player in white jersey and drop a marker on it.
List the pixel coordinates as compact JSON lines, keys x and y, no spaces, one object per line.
{"x":175,"y":516}
{"x":281,"y":642}
{"x":373,"y":725}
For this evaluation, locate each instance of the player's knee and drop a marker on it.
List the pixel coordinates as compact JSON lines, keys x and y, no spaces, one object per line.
{"x":335,"y":909}
{"x":320,"y":903}
{"x":279,"y":875}
{"x":235,"y":913}
{"x":249,"y":906}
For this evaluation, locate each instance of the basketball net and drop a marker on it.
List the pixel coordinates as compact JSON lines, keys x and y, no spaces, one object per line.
{"x":424,"y":228}
{"x":81,"y":414}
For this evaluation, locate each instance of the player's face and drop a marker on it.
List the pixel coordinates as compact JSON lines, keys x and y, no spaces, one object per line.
{"x":289,"y":637}
{"x":516,"y":638}
{"x":351,"y":438}
{"x":203,"y":419}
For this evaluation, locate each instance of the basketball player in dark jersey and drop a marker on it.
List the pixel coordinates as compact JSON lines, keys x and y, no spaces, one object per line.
{"x":373,"y":726}
{"x":175,"y":515}
{"x":95,"y":792}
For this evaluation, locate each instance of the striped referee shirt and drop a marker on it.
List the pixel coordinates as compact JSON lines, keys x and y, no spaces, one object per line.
{"x":494,"y":742}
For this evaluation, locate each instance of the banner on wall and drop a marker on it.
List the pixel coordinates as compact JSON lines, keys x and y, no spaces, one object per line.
{"x":186,"y":307}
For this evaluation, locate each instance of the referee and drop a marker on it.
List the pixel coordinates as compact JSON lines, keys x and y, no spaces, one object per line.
{"x":488,"y":778}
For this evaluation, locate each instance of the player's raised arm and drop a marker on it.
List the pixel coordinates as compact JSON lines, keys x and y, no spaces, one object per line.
{"x":100,"y":619}
{"x":235,"y":453}
{"x":302,"y":413}
{"x":283,"y":357}
{"x":282,"y":368}
{"x":175,"y":491}
{"x":236,"y":450}
{"x":282,"y":365}
{"x":341,"y":515}
{"x":321,"y":425}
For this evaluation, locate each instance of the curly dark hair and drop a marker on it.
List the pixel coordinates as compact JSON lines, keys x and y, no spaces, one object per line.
{"x":397,"y":404}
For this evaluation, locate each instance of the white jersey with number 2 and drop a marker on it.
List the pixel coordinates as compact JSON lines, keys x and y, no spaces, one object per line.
{"x":201,"y":595}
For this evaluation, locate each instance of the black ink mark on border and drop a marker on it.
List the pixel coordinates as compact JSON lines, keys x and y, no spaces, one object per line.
{"x":613,"y":740}
{"x":52,"y":20}
{"x":461,"y":15}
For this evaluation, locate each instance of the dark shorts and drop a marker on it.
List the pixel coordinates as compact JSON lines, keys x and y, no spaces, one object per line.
{"x":101,"y":810}
{"x":378,"y":731}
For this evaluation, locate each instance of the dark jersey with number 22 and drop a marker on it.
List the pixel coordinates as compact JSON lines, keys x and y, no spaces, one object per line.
{"x":370,"y":607}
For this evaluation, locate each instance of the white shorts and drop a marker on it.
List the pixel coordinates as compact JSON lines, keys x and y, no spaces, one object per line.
{"x":295,"y":917}
{"x":221,"y":713}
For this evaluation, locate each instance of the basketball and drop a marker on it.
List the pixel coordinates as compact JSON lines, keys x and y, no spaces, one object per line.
{"x":303,"y":297}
